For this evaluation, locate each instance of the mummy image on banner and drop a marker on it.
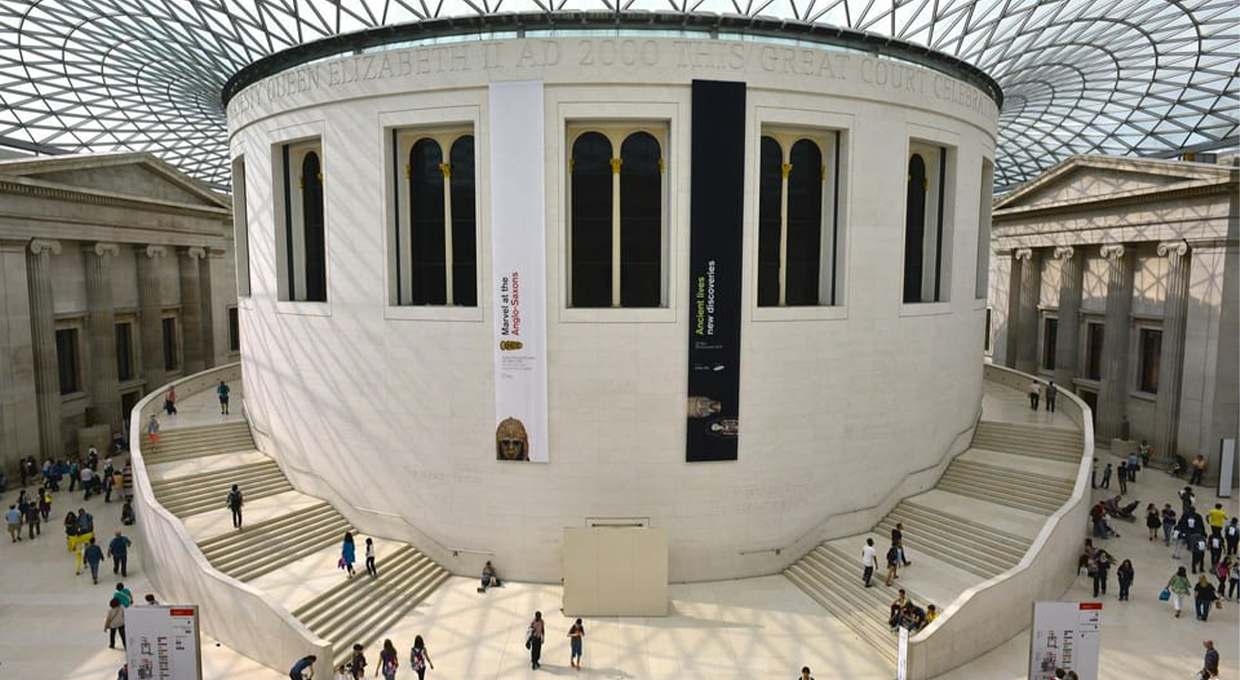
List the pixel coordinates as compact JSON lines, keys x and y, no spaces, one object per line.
{"x":518,"y":271}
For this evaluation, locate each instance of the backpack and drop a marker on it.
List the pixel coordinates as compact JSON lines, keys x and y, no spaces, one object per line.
{"x":388,"y":664}
{"x":893,"y":554}
{"x":419,"y":661}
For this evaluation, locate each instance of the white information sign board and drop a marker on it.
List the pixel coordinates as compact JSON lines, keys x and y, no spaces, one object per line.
{"x":162,"y":643}
{"x":1065,"y":635}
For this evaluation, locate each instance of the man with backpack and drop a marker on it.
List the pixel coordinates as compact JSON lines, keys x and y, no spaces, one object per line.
{"x":893,"y":563}
{"x":235,"y":501}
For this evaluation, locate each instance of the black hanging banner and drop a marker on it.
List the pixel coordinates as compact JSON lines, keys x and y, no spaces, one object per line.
{"x":716,"y":204}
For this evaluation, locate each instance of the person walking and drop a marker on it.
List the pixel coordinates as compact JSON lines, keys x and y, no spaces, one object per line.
{"x":1217,"y":519}
{"x":1168,"y":523}
{"x":1106,"y":477}
{"x":1178,"y":588}
{"x":170,"y":401}
{"x":1051,"y":393}
{"x":1221,"y":571}
{"x":1233,"y":579}
{"x":1102,"y":568}
{"x":1231,"y":534}
{"x":14,"y":519}
{"x":1187,"y":500}
{"x":114,"y":623}
{"x":45,"y":504}
{"x":235,"y":500}
{"x":1133,"y":466}
{"x":1125,"y":573}
{"x":152,"y":430}
{"x":348,"y":553}
{"x":93,"y":556}
{"x":221,"y":391}
{"x":370,"y":559}
{"x":893,"y":564}
{"x":1209,"y":665}
{"x":34,"y":523}
{"x":357,"y":663}
{"x":1035,"y":391}
{"x":869,"y":562}
{"x":575,"y":635}
{"x":1123,"y":477}
{"x":419,"y":658}
{"x":897,"y":538}
{"x":1093,"y":476}
{"x":124,"y":595}
{"x":534,"y":636}
{"x":389,"y":661}
{"x":1215,"y":544}
{"x":1153,"y":520}
{"x":1204,"y":596}
{"x":87,"y":476}
{"x":118,"y":550}
{"x":805,"y":674}
{"x":298,"y":671}
{"x":1198,"y":544}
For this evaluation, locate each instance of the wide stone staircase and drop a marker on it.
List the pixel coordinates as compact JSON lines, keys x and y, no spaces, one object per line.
{"x":977,"y":523}
{"x":191,"y":471}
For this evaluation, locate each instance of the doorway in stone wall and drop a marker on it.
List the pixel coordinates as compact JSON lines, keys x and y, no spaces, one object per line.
{"x":1091,"y":400}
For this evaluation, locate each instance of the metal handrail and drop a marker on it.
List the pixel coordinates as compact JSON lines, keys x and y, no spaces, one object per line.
{"x":946,"y":454}
{"x":456,"y":551}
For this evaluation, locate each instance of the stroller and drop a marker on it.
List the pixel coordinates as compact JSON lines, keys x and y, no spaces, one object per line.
{"x":1178,"y":467}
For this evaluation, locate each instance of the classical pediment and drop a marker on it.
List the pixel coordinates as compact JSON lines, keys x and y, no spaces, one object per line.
{"x":130,"y":175}
{"x":1081,"y":179}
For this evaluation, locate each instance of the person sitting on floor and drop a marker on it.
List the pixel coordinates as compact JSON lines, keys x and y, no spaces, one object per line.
{"x":127,"y":514}
{"x":489,"y":579}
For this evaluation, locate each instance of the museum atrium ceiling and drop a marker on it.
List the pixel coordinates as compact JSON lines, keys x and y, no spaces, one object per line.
{"x":1124,"y":77}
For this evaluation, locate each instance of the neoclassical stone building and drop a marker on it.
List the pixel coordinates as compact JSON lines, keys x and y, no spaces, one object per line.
{"x":1117,"y":278}
{"x":116,"y":275}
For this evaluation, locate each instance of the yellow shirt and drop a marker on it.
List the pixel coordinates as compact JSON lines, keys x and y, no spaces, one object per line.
{"x":1216,"y":517}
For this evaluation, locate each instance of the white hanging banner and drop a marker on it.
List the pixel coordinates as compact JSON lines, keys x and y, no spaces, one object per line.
{"x":518,"y":270}
{"x":1067,"y":636}
{"x":162,"y":643}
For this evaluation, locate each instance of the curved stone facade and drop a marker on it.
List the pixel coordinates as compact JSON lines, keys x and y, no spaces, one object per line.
{"x":394,"y":405}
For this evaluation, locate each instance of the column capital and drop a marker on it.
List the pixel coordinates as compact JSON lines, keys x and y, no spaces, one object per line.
{"x":1022,"y":253}
{"x":1112,"y":251}
{"x":193,"y":252}
{"x":151,"y":251}
{"x":38,"y":245}
{"x":102,"y":249}
{"x":1172,"y":249}
{"x":1064,"y":252}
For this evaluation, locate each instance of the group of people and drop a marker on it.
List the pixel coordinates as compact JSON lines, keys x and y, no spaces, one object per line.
{"x":904,"y":613}
{"x":93,"y":478}
{"x":536,"y":636}
{"x":348,"y":555}
{"x":355,"y":667}
{"x":1035,"y":395}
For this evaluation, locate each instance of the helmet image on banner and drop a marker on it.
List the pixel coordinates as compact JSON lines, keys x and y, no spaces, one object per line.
{"x":511,"y":440}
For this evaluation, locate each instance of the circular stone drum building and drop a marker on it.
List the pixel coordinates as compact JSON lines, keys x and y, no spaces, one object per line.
{"x":510,"y":274}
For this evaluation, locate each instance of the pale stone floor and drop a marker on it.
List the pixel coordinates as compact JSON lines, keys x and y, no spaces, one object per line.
{"x":51,"y":622}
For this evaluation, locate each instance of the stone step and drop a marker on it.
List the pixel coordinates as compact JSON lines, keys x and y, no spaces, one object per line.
{"x":958,"y":550}
{"x":996,"y":496}
{"x":366,"y":630}
{"x":289,"y":548}
{"x":1006,"y":487}
{"x":229,"y":544}
{"x":1032,"y":479}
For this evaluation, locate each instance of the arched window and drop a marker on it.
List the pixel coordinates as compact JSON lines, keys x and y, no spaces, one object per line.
{"x":434,"y":253}
{"x":927,"y":224}
{"x":770,"y":220}
{"x":641,"y":221}
{"x":914,"y":227}
{"x":301,"y":231}
{"x":798,"y":218}
{"x":464,"y":230}
{"x":426,"y":226}
{"x":591,"y":215}
{"x":616,"y":218}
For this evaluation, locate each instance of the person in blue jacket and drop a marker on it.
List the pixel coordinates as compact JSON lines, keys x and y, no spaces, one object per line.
{"x":348,"y":553}
{"x":93,"y":556}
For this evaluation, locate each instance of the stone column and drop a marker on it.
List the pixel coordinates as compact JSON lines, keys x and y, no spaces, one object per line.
{"x":1027,"y":318}
{"x":150,"y":322}
{"x":208,"y":308}
{"x":1067,"y":335}
{"x":191,"y":308}
{"x":1171,"y":359}
{"x":1113,"y":392}
{"x":101,"y":332}
{"x":43,"y":339}
{"x":1012,"y":323}
{"x":19,"y":411}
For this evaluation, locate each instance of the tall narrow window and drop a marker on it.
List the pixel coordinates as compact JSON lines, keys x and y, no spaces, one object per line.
{"x":172,"y":353}
{"x":1151,"y":351}
{"x":234,"y":330}
{"x":1050,"y":330}
{"x":616,"y":225}
{"x":301,"y":236}
{"x":986,"y":340}
{"x":124,"y":351}
{"x":67,"y":360}
{"x":241,"y":238}
{"x":798,"y":218}
{"x":985,"y":198}
{"x":1094,"y":336}
{"x":434,"y":253}
{"x":927,"y":234}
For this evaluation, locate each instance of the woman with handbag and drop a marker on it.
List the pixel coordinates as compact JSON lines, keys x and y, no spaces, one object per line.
{"x":1177,"y":588}
{"x":1204,"y":596}
{"x":1125,"y":574}
{"x":534,"y":636}
{"x":1152,"y":520}
{"x":348,"y":553}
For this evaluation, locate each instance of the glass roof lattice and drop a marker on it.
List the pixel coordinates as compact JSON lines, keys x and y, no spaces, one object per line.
{"x":1120,"y":77}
